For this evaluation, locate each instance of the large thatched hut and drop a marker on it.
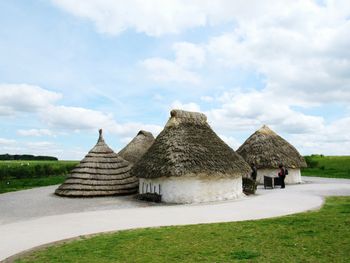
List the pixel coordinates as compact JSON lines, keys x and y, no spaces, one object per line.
{"x":102,"y":172}
{"x":267,"y":150}
{"x":137,"y":147}
{"x":189,"y":163}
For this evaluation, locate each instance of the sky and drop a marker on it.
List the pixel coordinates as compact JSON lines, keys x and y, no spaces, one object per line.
{"x":70,"y":67}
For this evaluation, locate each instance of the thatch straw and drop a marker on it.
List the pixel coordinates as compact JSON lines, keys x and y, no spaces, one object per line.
{"x":266,"y":149}
{"x":137,"y":147}
{"x":102,"y":172}
{"x":189,"y":147}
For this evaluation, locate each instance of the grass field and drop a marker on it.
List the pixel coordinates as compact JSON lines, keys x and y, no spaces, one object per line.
{"x":320,"y":236}
{"x":20,"y":175}
{"x":11,"y":185}
{"x":327,"y":166}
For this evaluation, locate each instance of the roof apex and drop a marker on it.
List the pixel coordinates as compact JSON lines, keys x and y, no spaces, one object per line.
{"x":266,"y":130}
{"x":145,"y":133}
{"x":181,"y":116}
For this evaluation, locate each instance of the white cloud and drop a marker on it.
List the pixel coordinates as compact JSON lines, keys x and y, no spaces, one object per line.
{"x":332,"y":139}
{"x":25,"y":98}
{"x":41,"y":146}
{"x":75,"y":118}
{"x":153,"y":17}
{"x":244,"y":112}
{"x":158,"y":17}
{"x":241,"y":110}
{"x":189,"y":55}
{"x":35,"y":148}
{"x":80,"y":119}
{"x":35,"y":132}
{"x":59,"y":118}
{"x":299,"y":47}
{"x":163,"y":70}
{"x":207,"y":98}
{"x":185,"y":106}
{"x":300,"y":50}
{"x":6,"y":142}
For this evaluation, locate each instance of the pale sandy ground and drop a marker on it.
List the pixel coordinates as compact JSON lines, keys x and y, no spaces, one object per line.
{"x":35,"y":217}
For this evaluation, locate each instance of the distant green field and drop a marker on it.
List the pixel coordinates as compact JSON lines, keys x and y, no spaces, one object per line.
{"x":19,"y":175}
{"x":318,"y":236}
{"x":327,"y":166}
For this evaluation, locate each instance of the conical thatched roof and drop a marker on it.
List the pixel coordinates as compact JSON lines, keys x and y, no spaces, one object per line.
{"x":189,"y":147}
{"x":266,"y":149}
{"x":102,"y":172}
{"x":137,"y":147}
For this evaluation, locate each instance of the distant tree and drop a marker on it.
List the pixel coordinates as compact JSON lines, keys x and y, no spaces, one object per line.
{"x":26,"y":157}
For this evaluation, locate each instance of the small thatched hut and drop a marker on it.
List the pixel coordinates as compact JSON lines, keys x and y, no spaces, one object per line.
{"x":102,"y":172}
{"x":137,"y":147}
{"x":267,"y":150}
{"x":189,"y":163}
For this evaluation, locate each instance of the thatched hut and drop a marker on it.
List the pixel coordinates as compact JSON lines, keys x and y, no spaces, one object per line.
{"x":189,"y":163}
{"x":267,"y":150}
{"x":137,"y":147}
{"x":102,"y":172}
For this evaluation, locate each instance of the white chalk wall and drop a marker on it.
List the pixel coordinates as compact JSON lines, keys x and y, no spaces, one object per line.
{"x":193,"y":189}
{"x":293,"y":177}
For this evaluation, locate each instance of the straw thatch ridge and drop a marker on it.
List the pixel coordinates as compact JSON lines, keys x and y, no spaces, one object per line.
{"x":189,"y":147}
{"x":102,"y":172}
{"x":266,"y":149}
{"x":137,"y":147}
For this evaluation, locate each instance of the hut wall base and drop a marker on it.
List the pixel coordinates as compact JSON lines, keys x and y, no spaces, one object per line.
{"x":186,"y":190}
{"x":293,"y":177}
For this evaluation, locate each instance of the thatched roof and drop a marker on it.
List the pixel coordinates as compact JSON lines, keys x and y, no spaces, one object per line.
{"x":137,"y":147}
{"x":102,"y":172}
{"x":189,"y":147}
{"x":266,"y":149}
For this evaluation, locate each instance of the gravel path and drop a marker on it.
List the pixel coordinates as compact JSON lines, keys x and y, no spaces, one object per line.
{"x":35,"y":217}
{"x":39,"y":202}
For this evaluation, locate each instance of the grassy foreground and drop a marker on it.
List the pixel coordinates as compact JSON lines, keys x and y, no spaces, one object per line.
{"x":327,"y":166}
{"x":320,"y":236}
{"x":20,"y":175}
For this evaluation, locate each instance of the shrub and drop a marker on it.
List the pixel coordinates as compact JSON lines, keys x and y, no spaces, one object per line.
{"x":311,"y":163}
{"x":16,"y":169}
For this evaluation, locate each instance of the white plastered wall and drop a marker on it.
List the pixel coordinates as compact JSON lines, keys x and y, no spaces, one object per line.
{"x":293,"y":177}
{"x":193,"y":189}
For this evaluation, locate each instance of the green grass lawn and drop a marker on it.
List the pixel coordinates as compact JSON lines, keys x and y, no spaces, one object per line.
{"x":10,"y":185}
{"x":319,"y":236}
{"x":327,"y":166}
{"x":20,"y":175}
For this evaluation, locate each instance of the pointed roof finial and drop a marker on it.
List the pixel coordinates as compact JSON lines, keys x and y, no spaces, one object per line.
{"x":100,"y":138}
